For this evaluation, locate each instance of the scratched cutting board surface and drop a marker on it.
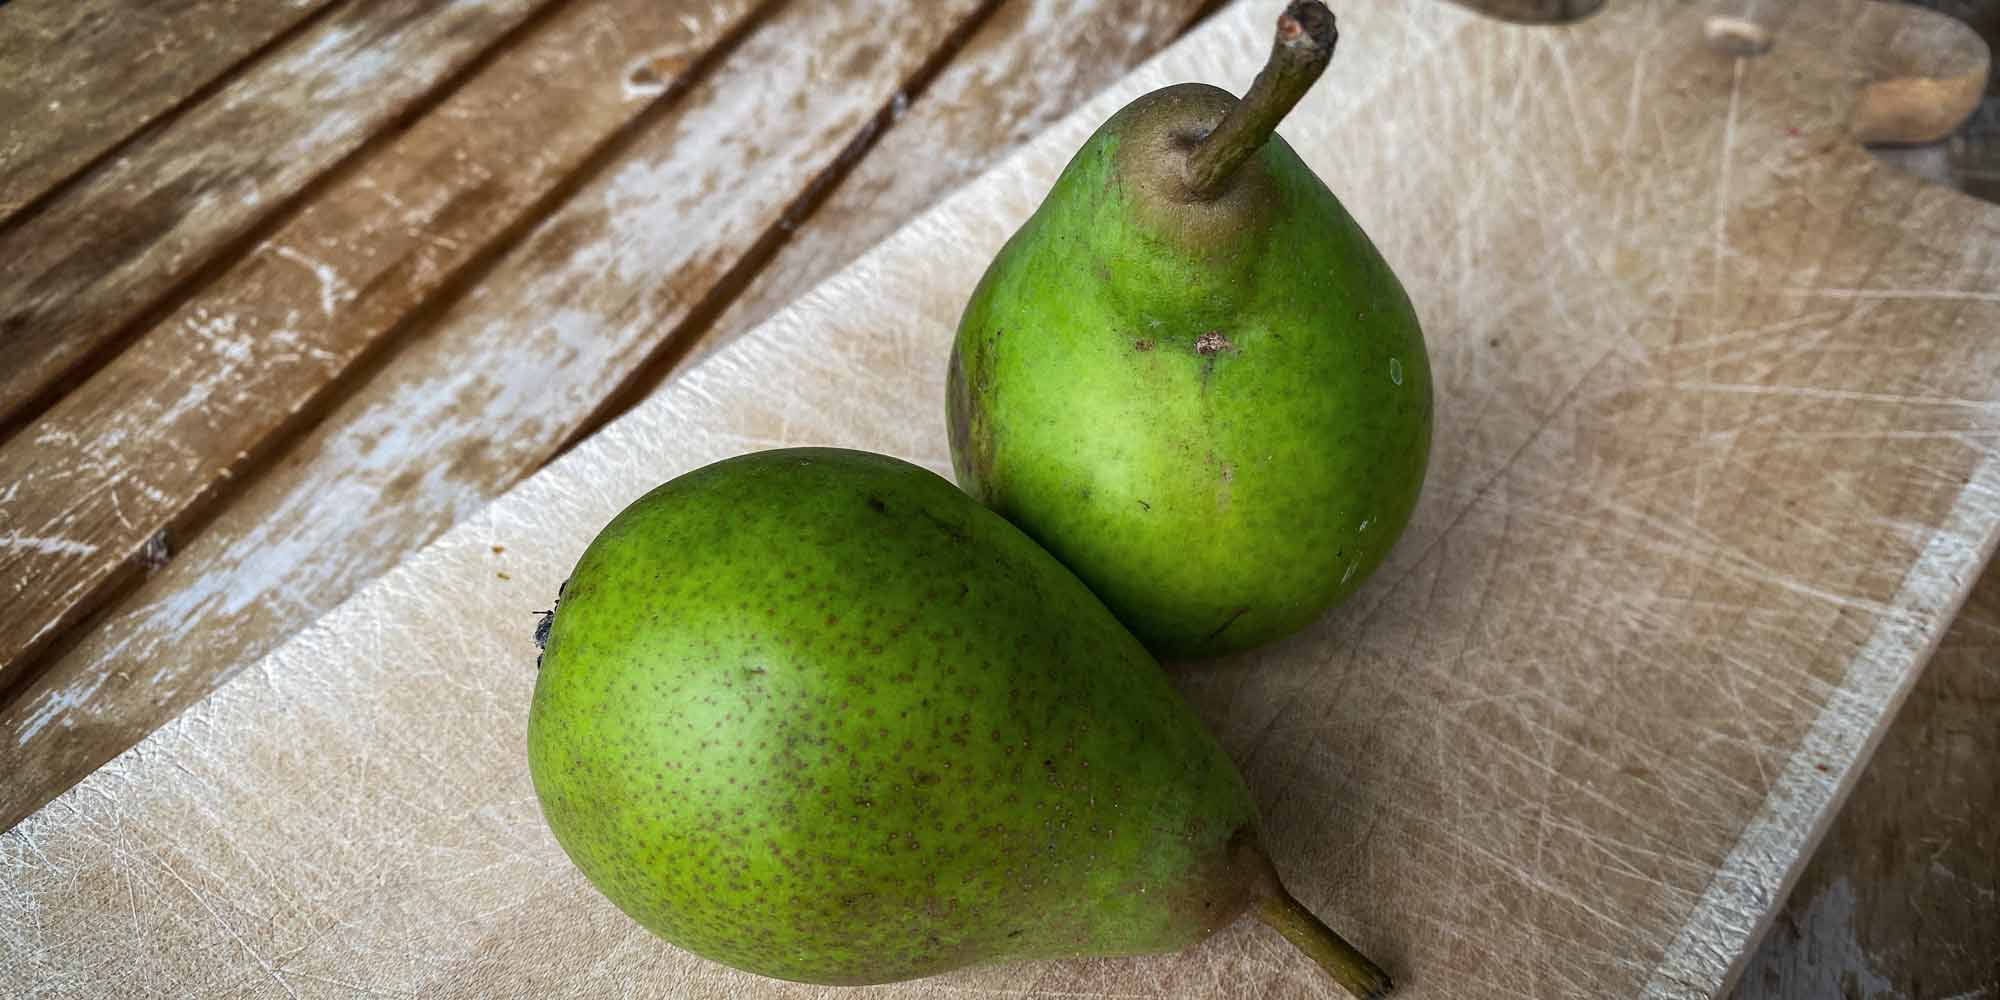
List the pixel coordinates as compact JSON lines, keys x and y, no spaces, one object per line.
{"x":1717,"y":403}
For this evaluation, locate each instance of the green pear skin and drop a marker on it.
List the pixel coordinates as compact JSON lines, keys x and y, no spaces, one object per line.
{"x":1215,"y":409}
{"x":817,"y":715}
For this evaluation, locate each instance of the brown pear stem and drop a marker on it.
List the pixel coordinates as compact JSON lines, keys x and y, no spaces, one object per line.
{"x":1348,"y":966}
{"x":1303,"y":48}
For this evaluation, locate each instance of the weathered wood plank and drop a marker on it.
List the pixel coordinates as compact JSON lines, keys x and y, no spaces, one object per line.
{"x":83,"y":76}
{"x":77,"y":273}
{"x":141,"y":448}
{"x":493,"y":386}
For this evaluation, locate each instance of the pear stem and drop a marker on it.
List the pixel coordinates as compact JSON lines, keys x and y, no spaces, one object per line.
{"x":1347,"y":965}
{"x":1301,"y":51}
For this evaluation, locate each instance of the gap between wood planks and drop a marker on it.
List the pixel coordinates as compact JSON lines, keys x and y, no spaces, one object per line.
{"x":34,"y":204}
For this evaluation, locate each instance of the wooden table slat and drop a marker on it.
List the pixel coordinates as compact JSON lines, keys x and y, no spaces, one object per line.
{"x":76,"y":274}
{"x":85,"y":75}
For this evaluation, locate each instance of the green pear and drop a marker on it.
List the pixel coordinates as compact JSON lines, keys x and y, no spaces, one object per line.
{"x":1191,"y":376}
{"x":818,"y":715}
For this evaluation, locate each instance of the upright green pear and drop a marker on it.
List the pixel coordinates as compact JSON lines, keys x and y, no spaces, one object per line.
{"x":817,"y":715}
{"x":1191,"y":376}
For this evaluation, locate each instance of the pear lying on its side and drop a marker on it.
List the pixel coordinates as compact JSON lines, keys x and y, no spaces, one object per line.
{"x":1191,"y":376}
{"x":818,"y":715}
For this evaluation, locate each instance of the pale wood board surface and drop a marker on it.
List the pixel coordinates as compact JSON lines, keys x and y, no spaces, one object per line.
{"x":60,"y":109}
{"x":306,"y":533}
{"x":1716,"y":416}
{"x":114,"y":242}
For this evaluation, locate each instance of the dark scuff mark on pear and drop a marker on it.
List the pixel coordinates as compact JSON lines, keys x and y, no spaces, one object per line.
{"x":955,"y":532}
{"x":1231,"y":620}
{"x":958,"y":411}
{"x":968,"y":392}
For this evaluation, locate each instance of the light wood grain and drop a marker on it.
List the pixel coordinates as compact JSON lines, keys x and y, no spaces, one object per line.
{"x":75,"y":274}
{"x":1715,"y":466}
{"x":139,"y":451}
{"x":294,"y":544}
{"x":83,"y":76}
{"x":497,"y":381}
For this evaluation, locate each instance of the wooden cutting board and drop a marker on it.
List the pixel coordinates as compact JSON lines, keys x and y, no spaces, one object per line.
{"x":1718,"y":402}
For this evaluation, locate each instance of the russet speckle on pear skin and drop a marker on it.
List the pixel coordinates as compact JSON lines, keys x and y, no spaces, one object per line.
{"x":818,"y":715}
